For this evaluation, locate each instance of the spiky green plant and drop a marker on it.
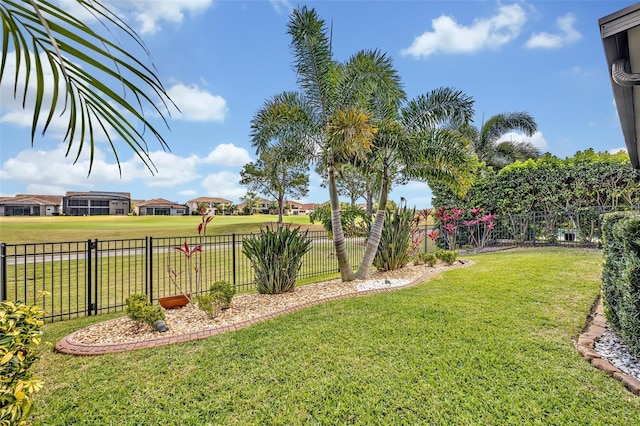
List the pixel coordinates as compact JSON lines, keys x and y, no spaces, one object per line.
{"x":276,"y":257}
{"x":394,"y":250}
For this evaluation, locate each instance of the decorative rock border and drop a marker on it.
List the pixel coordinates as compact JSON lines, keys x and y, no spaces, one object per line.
{"x":596,"y":326}
{"x":68,"y":345}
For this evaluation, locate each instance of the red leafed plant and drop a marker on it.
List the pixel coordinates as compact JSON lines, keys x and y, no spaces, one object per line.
{"x":189,"y":252}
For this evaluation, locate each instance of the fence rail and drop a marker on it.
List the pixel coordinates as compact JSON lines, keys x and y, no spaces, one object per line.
{"x":84,"y":278}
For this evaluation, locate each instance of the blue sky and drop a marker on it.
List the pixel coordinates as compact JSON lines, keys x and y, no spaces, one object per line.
{"x":220,"y":60}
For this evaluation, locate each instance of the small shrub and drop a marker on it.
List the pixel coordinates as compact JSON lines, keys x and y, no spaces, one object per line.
{"x":394,"y":250}
{"x":276,"y":257}
{"x":139,"y":309}
{"x":227,"y":289}
{"x":212,"y":303}
{"x":20,"y":335}
{"x":428,"y":258}
{"x":447,"y":256}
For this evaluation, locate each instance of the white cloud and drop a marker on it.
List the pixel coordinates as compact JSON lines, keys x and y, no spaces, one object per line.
{"x":616,"y":150}
{"x":227,"y":154}
{"x":197,"y":104}
{"x":536,"y":140}
{"x":568,"y":34}
{"x":150,"y":15}
{"x":11,"y":109}
{"x":51,"y":169}
{"x":450,"y":37}
{"x":224,"y":185}
{"x":172,"y":169}
{"x":188,"y":192}
{"x":282,"y":7}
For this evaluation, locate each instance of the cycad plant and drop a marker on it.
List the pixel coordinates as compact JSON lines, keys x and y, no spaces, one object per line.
{"x":276,"y":257}
{"x":394,"y":250}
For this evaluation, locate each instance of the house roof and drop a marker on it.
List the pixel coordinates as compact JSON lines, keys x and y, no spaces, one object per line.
{"x":25,"y":199}
{"x":209,"y":200}
{"x":620,"y":32}
{"x":98,"y":194}
{"x":161,"y":202}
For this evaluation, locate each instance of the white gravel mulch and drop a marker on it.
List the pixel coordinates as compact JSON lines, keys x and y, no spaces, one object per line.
{"x":248,"y":306}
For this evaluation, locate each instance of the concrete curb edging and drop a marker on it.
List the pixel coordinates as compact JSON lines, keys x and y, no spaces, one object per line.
{"x":596,"y":326}
{"x":67,"y":345}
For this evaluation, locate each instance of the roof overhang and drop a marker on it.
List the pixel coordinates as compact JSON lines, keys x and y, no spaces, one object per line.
{"x":620,"y":34}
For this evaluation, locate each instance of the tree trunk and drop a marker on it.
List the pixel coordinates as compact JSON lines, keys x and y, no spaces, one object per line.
{"x":346,"y":273}
{"x":280,"y":208}
{"x":376,"y":230}
{"x":369,"y":200}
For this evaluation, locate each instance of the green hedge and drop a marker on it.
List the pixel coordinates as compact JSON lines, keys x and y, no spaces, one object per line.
{"x":621,"y":275}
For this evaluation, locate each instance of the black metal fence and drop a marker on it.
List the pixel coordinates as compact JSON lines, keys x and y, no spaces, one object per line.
{"x":83,"y":278}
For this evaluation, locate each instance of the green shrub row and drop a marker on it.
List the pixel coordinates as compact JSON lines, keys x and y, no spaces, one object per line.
{"x":621,"y":275}
{"x":19,"y":336}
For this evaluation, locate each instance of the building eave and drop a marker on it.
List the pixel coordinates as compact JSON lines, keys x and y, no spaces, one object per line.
{"x":620,"y":32}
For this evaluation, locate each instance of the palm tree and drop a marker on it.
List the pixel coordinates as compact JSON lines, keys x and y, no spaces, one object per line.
{"x":485,"y":140}
{"x":88,"y":66}
{"x":327,"y":119}
{"x":417,"y":142}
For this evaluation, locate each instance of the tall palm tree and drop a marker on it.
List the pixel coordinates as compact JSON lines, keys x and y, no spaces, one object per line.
{"x":485,"y":140}
{"x":88,"y":66}
{"x":417,"y":140}
{"x":327,"y":119}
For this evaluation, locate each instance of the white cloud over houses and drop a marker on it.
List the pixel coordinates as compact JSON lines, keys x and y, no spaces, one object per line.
{"x":224,"y":184}
{"x":536,"y":140}
{"x":227,"y":154}
{"x":50,"y":172}
{"x":197,"y":104}
{"x":450,"y":37}
{"x":12,"y":110}
{"x":567,"y":35}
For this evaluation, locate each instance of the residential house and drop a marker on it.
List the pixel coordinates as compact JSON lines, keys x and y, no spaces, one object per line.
{"x":31,"y":205}
{"x":214,"y":205}
{"x":307,"y":208}
{"x":95,"y":203}
{"x":297,"y":209}
{"x":161,"y":207}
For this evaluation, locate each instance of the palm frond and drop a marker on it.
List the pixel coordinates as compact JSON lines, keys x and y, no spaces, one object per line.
{"x":442,"y":155}
{"x":506,"y":122}
{"x":87,"y":65}
{"x":286,"y":118}
{"x":444,"y":106}
{"x":312,"y":53}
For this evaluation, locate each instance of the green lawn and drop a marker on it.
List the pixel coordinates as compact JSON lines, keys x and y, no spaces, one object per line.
{"x":19,"y":230}
{"x":490,"y":344}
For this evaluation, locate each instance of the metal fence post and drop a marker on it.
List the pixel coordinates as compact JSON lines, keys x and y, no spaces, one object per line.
{"x":535,"y":231}
{"x":599,"y":228}
{"x":150,"y":267}
{"x":3,"y":278}
{"x":233,"y":257}
{"x":89,"y":276}
{"x":95,"y":277}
